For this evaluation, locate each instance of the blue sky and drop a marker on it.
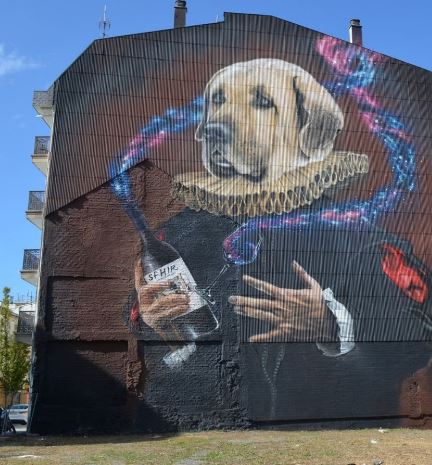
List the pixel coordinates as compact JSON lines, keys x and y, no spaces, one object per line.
{"x":38,"y":40}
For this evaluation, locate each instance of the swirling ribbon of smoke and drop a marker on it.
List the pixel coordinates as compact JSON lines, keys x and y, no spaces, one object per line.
{"x":155,"y":133}
{"x":354,"y":71}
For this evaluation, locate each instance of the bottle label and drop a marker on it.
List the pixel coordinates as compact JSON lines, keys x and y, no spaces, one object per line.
{"x":183,"y":281}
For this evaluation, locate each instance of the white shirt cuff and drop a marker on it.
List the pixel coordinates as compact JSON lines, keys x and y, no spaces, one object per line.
{"x":345,"y":324}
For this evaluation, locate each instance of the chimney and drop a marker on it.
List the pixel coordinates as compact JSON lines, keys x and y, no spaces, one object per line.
{"x":355,"y":32}
{"x":180,"y":13}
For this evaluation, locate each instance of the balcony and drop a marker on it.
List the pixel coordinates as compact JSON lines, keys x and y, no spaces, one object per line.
{"x":35,"y":207}
{"x":26,"y":320}
{"x":43,"y":103}
{"x":30,"y":269}
{"x":41,"y":153}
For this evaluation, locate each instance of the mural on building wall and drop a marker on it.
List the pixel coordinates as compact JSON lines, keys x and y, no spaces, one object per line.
{"x":304,"y":268}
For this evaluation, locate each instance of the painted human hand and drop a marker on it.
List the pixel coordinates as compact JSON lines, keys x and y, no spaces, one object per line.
{"x":295,"y":314}
{"x":157,"y":307}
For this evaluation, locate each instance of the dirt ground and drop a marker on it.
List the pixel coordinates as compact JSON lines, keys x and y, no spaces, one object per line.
{"x":368,"y":446}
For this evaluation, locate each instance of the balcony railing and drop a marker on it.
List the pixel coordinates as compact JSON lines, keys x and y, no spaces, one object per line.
{"x":43,"y":98}
{"x":35,"y":207}
{"x":41,"y":153}
{"x":41,"y":145}
{"x":30,"y":269}
{"x":24,"y":331}
{"x":31,"y":260}
{"x":36,"y":201}
{"x":25,"y":322}
{"x":43,"y":103}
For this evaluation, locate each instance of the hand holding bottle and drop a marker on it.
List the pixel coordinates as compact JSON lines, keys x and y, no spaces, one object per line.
{"x":157,"y":306}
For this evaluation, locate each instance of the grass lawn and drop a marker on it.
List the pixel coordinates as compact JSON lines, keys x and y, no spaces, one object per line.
{"x":368,"y":446}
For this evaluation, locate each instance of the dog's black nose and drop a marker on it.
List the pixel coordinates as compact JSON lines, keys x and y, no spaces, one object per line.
{"x":217,"y":133}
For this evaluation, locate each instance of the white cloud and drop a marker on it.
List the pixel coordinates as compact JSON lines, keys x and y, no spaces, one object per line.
{"x":11,"y":62}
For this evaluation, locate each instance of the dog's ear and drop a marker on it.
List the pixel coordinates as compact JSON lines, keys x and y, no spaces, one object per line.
{"x":319,"y":117}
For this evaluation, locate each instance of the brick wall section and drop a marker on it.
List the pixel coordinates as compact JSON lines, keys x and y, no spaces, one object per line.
{"x":89,"y":256}
{"x":88,"y":362}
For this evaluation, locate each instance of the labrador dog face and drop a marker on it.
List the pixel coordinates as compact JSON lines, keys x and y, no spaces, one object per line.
{"x":265,"y":117}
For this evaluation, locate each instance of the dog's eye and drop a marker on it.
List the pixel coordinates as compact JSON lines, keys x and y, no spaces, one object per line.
{"x":218,"y":97}
{"x":261,"y":101}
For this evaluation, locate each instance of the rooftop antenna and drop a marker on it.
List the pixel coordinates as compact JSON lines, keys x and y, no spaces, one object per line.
{"x":104,"y":23}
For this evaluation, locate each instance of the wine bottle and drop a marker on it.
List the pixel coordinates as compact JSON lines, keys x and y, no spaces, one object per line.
{"x":162,"y":263}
